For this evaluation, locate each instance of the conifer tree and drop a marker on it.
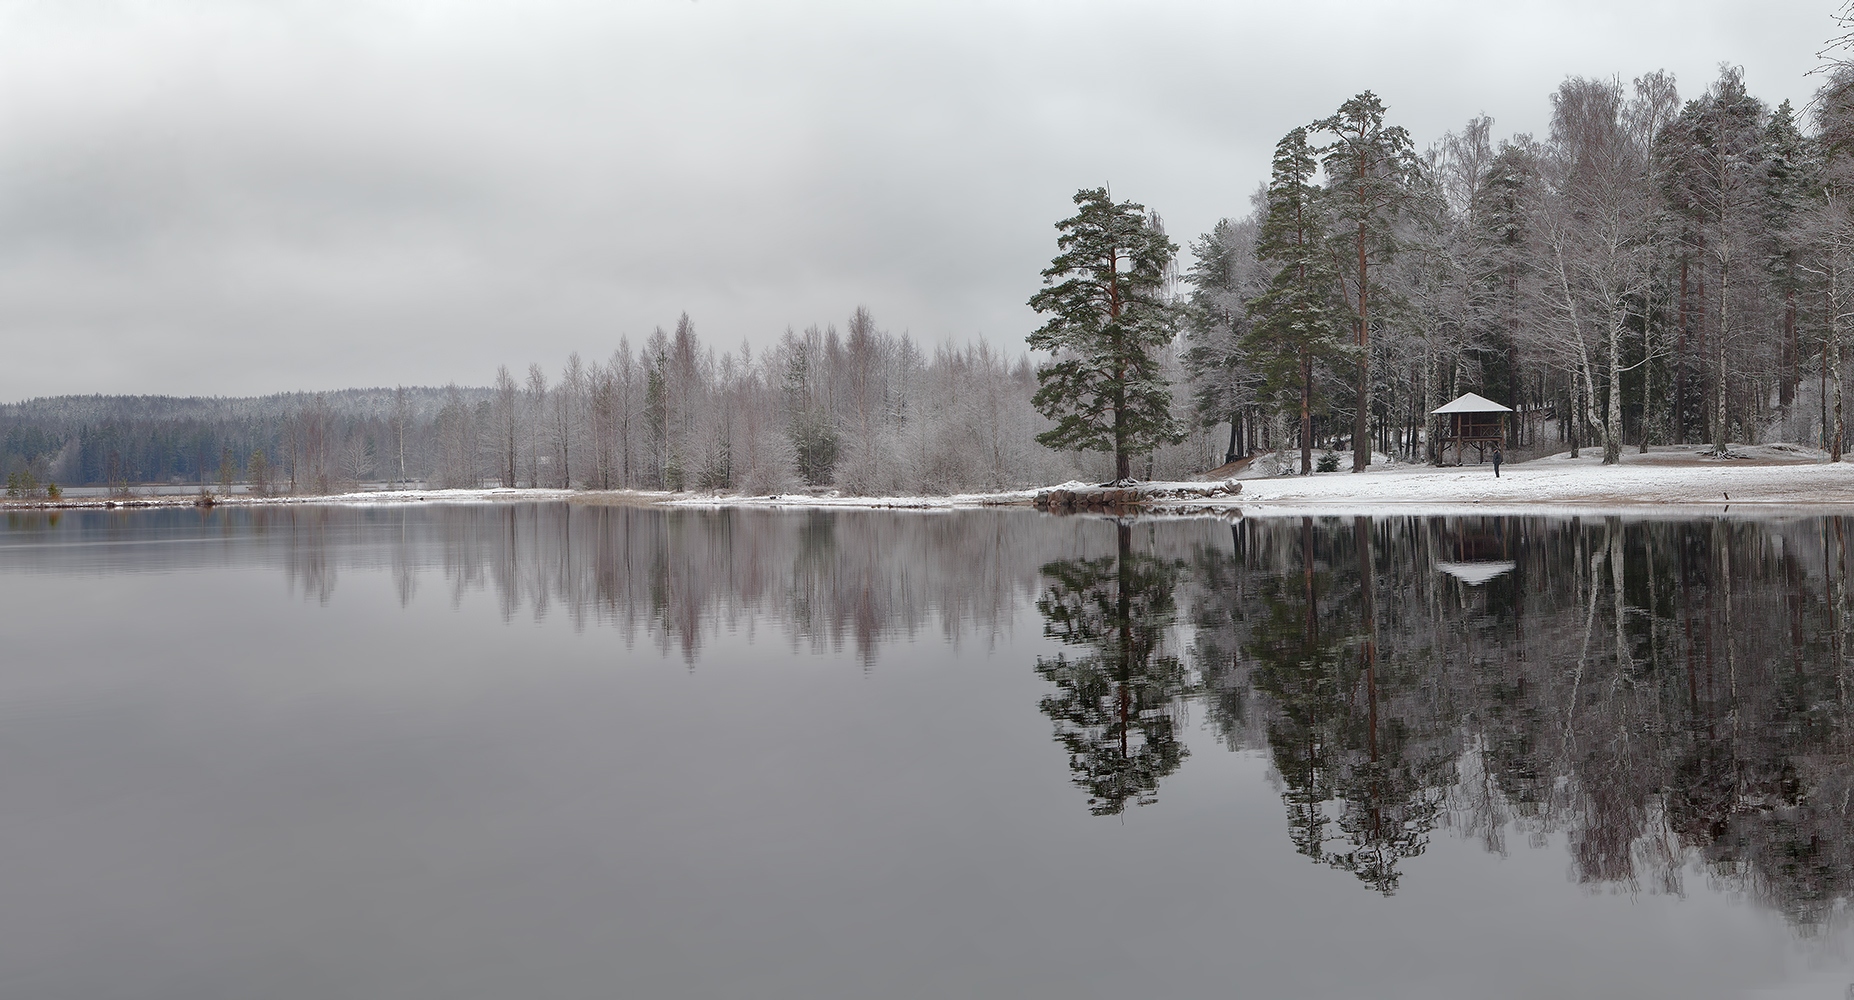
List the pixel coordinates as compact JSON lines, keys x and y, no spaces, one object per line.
{"x":1789,"y":182}
{"x":1295,"y":324}
{"x":1224,"y":276}
{"x":1105,"y":295}
{"x":1367,"y":165}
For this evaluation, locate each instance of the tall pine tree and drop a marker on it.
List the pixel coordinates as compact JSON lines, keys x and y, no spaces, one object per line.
{"x":1224,"y":276}
{"x":1108,"y":320}
{"x":1368,"y":164}
{"x":1295,"y":325}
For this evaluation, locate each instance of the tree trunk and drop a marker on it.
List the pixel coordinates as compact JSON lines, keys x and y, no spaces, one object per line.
{"x":1786,"y":393}
{"x":1647,"y":357}
{"x":1833,"y":356}
{"x":1612,"y":416}
{"x":1306,"y":411}
{"x":1680,"y":360}
{"x":1361,"y":429}
{"x":1721,"y":432}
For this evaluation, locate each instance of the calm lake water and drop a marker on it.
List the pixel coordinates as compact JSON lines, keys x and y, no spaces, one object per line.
{"x":550,"y":752}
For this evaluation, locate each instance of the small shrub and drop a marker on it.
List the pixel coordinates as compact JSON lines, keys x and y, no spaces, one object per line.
{"x":1328,"y":462}
{"x":54,"y":491}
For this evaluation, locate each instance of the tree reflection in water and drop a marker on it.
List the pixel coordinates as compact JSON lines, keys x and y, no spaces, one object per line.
{"x":1362,"y":785}
{"x":1114,"y":706}
{"x":1671,"y":698}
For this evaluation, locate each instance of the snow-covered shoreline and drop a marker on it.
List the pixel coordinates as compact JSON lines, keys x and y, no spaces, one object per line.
{"x":134,"y":501}
{"x":1768,"y":478}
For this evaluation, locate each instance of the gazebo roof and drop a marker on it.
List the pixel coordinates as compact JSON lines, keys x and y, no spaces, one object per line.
{"x":1468,"y":402}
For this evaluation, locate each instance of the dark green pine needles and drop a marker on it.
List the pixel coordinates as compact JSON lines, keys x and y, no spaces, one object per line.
{"x":1109,"y":319}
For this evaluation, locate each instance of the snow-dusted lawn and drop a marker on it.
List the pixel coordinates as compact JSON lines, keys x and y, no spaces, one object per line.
{"x":1767,"y":475}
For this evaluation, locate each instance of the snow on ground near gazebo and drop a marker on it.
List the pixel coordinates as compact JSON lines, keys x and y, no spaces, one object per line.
{"x":1761,"y":475}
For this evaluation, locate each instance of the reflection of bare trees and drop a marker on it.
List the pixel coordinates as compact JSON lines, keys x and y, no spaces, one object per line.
{"x":677,"y":578}
{"x":308,"y":561}
{"x":1664,"y":697}
{"x":1658,"y":693}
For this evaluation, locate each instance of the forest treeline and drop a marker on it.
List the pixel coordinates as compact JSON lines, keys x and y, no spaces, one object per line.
{"x":863,"y":410}
{"x":1650,"y":271}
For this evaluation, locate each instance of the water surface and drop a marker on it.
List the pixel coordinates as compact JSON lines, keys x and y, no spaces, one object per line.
{"x":551,"y":751}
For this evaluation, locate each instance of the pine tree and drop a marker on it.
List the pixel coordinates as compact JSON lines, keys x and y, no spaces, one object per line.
{"x":1295,"y":325}
{"x":1224,"y":275}
{"x":1109,"y":320}
{"x":1789,"y":182}
{"x":1367,"y":165}
{"x":1713,"y":152}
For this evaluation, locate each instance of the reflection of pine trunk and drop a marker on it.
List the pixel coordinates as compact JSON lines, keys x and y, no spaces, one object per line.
{"x":1837,"y":606}
{"x":1123,"y":535}
{"x":1722,"y":544}
{"x":1312,"y":629}
{"x":1361,"y":535}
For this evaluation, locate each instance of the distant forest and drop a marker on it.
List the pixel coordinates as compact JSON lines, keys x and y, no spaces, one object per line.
{"x":1651,"y":271}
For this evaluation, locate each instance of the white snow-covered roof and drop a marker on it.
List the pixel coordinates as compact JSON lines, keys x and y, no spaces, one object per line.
{"x":1469,"y":402}
{"x":1474,"y":573}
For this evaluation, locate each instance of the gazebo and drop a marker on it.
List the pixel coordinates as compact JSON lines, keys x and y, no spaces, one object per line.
{"x":1471,"y":420}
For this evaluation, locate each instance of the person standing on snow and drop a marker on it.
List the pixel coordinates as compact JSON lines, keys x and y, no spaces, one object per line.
{"x":1497,"y":456}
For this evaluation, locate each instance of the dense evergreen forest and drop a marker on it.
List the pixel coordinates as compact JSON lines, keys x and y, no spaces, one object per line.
{"x":1650,"y":271}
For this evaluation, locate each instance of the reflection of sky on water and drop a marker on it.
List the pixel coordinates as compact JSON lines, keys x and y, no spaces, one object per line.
{"x":254,"y":765}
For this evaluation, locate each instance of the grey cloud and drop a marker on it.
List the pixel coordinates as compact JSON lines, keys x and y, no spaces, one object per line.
{"x":227,"y":198}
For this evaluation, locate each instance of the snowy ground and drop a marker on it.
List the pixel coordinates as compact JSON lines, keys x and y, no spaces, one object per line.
{"x":1767,"y":477}
{"x":834,"y":499}
{"x":366,"y":498}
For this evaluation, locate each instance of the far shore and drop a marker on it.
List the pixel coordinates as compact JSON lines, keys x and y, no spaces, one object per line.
{"x":1769,"y":478}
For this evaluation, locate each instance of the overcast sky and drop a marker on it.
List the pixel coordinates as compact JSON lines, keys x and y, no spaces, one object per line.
{"x":235,"y":198}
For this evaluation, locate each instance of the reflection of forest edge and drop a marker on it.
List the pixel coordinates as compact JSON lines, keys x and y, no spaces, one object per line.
{"x":1669,"y":697}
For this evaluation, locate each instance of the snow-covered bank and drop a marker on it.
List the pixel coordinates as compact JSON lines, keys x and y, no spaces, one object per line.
{"x":133,"y":501}
{"x":1764,"y":476}
{"x":833,"y":500}
{"x":1768,"y":477}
